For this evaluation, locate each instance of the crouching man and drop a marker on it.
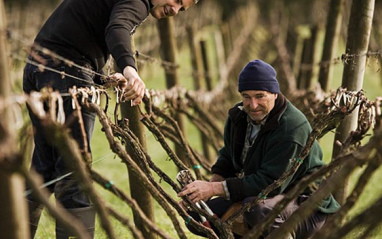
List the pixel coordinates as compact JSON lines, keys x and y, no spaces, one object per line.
{"x":262,"y":134}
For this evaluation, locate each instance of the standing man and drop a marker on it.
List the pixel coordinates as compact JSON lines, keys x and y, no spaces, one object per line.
{"x":85,"y":32}
{"x":262,"y":134}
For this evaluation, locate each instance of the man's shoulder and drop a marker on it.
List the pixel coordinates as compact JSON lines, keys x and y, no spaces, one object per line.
{"x":144,"y":4}
{"x":293,"y":115}
{"x":293,"y":123}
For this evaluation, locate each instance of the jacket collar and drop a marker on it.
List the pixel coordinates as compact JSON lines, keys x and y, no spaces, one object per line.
{"x":239,"y":123}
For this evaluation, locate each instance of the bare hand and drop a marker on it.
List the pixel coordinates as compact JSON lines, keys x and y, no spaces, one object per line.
{"x":116,"y":79}
{"x":134,"y":89}
{"x":201,"y":190}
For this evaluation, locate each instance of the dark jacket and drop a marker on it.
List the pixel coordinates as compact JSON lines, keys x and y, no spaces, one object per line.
{"x":280,"y":140}
{"x":88,"y":30}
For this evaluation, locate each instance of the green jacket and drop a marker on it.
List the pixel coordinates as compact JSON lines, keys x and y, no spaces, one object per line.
{"x":280,"y":140}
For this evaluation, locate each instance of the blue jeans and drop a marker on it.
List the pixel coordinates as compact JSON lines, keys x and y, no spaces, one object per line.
{"x":46,"y":159}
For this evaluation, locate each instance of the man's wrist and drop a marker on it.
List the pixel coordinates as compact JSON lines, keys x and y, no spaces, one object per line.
{"x":127,"y":70}
{"x":217,"y":178}
{"x":218,"y":189}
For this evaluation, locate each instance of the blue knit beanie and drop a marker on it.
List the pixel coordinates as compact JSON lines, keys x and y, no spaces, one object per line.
{"x":258,"y":75}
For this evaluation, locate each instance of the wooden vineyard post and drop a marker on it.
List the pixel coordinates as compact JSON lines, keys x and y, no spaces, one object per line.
{"x":197,"y":65}
{"x":169,"y":53}
{"x":137,"y":189}
{"x":359,"y":29}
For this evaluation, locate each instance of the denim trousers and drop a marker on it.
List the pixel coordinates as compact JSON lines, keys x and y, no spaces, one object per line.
{"x":46,"y":159}
{"x":259,"y":212}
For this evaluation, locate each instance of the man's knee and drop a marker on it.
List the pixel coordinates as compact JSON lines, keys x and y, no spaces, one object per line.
{"x":256,"y":214}
{"x":70,"y":195}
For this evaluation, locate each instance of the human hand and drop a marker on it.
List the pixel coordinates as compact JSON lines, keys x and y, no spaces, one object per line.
{"x":202,"y":190}
{"x":134,"y":87}
{"x":117,"y":79}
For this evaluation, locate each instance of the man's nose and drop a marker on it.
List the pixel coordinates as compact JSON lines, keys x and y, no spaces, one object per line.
{"x":175,"y":9}
{"x":254,"y":103}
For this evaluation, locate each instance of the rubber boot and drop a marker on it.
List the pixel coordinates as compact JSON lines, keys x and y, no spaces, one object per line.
{"x":34,"y":210}
{"x":86,"y":215}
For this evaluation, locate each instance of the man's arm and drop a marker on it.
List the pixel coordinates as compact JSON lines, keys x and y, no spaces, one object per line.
{"x":125,"y":17}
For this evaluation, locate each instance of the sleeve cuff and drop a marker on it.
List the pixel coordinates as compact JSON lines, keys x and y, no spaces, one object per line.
{"x":227,"y":194}
{"x":236,"y":189}
{"x":126,"y":61}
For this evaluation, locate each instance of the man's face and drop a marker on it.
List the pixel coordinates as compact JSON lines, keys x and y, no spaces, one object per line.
{"x":257,"y":104}
{"x":168,"y":8}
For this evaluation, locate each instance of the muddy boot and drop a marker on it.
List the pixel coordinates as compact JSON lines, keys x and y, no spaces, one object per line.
{"x":86,"y":215}
{"x":34,"y":210}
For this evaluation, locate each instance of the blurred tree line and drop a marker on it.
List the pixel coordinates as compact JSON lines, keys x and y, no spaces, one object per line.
{"x":287,"y":33}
